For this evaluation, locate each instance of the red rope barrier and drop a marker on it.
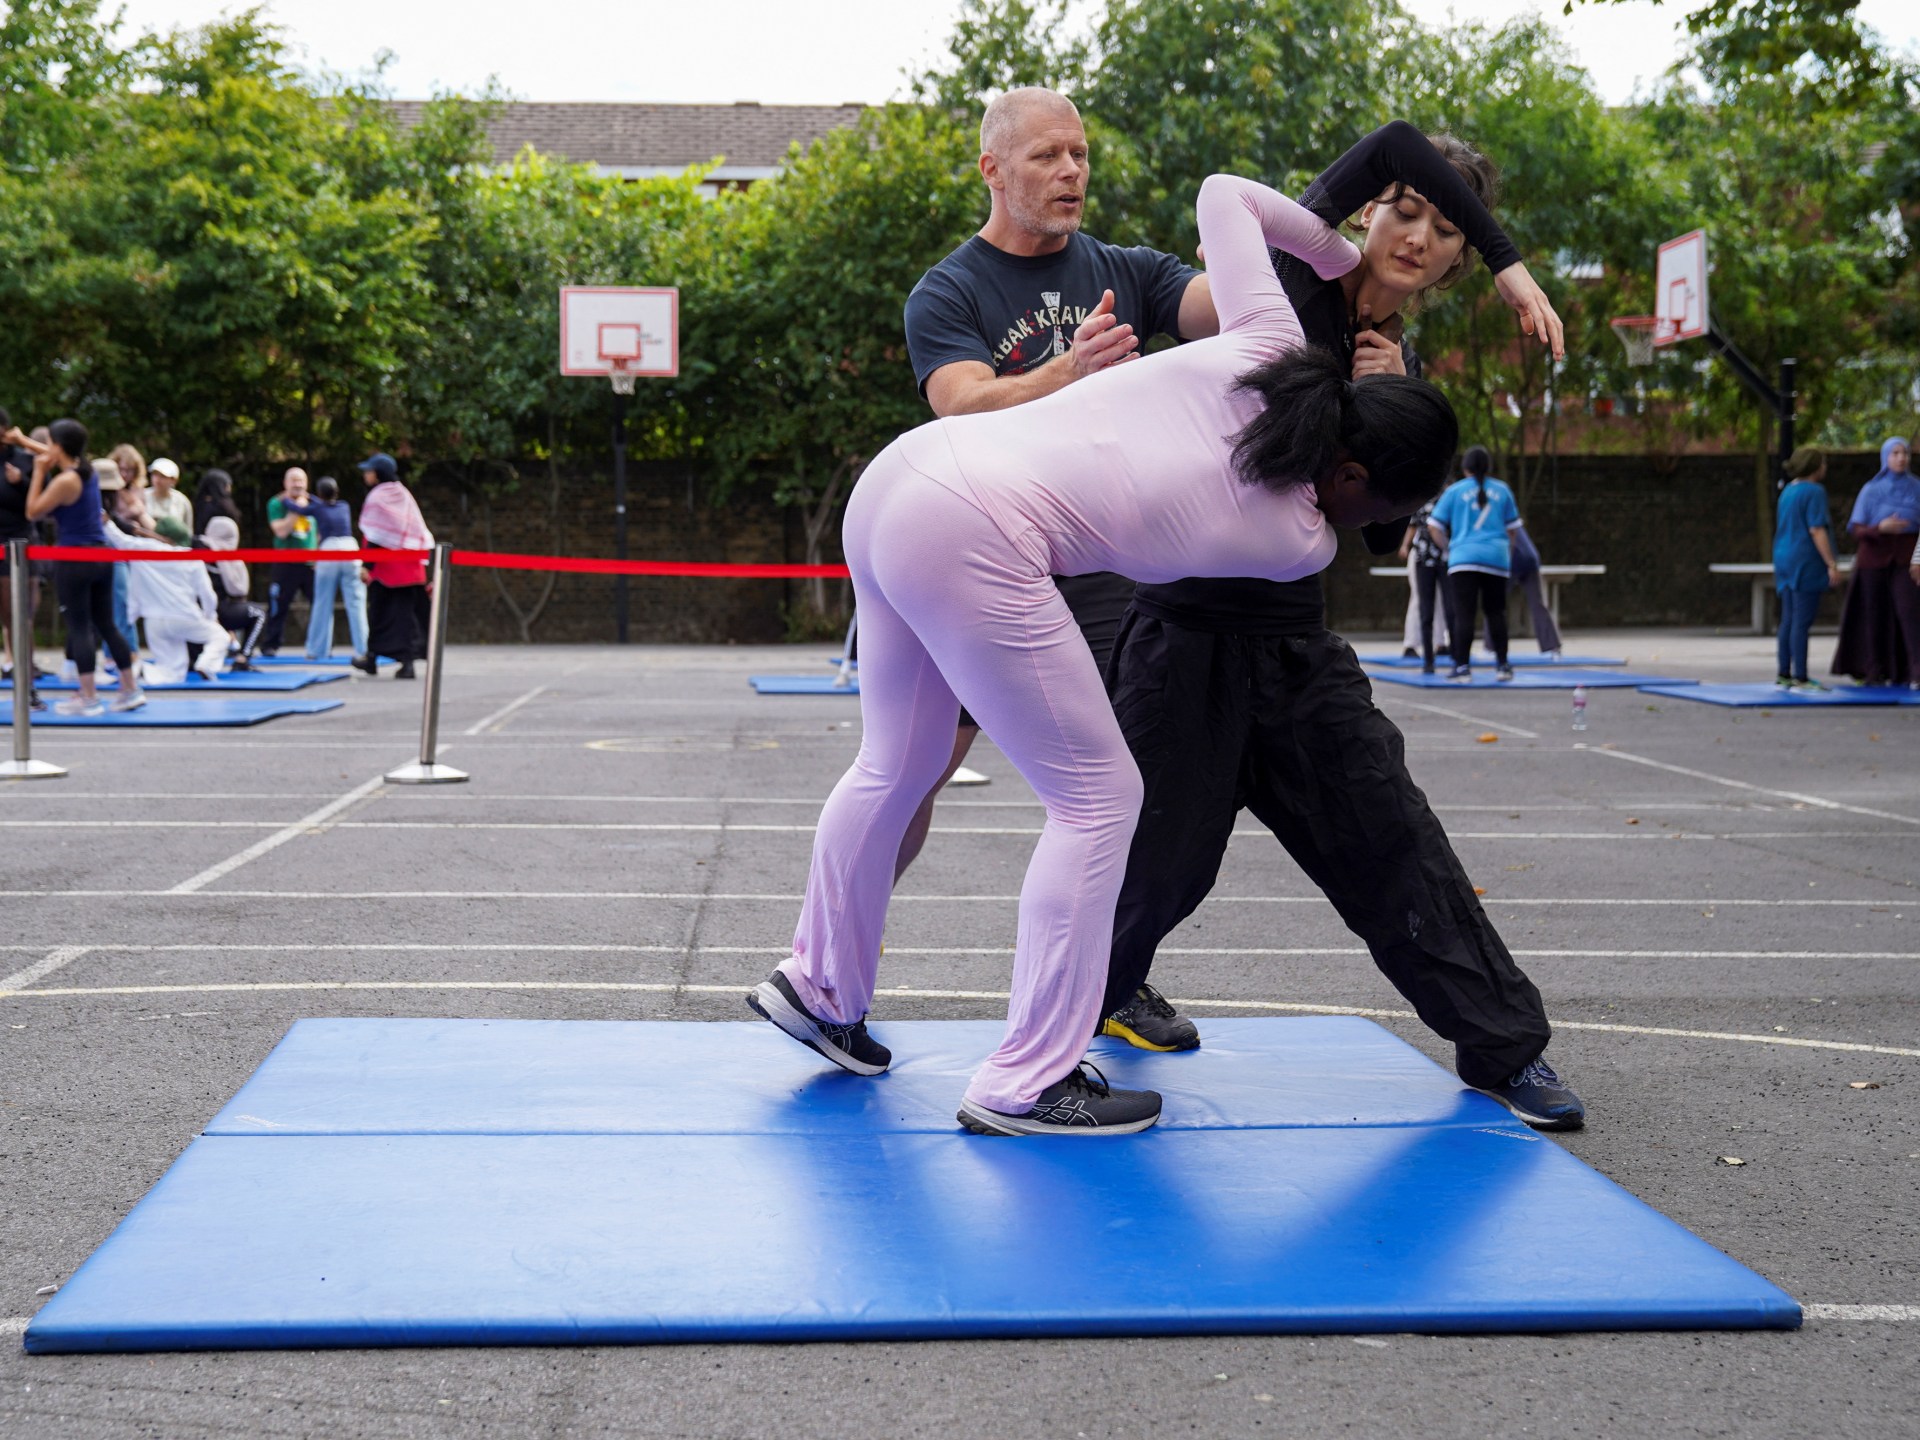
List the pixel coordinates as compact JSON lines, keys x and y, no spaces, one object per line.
{"x":473,"y":559}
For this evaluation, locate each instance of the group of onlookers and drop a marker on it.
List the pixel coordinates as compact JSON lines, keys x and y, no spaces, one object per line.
{"x":199,"y":617}
{"x":1880,"y":620}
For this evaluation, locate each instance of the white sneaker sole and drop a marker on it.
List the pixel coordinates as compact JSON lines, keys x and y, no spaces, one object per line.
{"x":768,"y":1003}
{"x":1537,"y":1122}
{"x":983,"y":1121}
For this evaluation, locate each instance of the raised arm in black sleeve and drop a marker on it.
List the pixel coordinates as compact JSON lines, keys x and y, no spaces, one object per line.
{"x":1397,"y":153}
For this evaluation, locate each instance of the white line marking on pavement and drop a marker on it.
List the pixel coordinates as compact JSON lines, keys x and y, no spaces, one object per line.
{"x":1470,"y":719}
{"x":1303,"y":952}
{"x":1861,"y":1312}
{"x":14,"y":1325}
{"x":1819,"y":802}
{"x":505,"y":710}
{"x":280,"y":837}
{"x":740,"y":987}
{"x":20,"y":979}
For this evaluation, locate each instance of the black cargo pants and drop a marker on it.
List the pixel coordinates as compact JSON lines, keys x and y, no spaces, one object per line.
{"x":1285,"y":726}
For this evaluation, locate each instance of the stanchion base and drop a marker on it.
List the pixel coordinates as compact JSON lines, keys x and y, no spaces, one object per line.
{"x":29,"y":770}
{"x":417,"y":774}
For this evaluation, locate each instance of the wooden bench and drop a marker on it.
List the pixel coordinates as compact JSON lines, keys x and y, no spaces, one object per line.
{"x":1555,"y":577}
{"x":1760,"y":573}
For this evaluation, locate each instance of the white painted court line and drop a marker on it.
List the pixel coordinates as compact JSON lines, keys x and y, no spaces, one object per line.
{"x":1862,"y":1312}
{"x":14,"y":1325}
{"x":504,"y":711}
{"x":1819,"y":802}
{"x":1500,"y":725}
{"x":739,"y":987}
{"x":280,"y":837}
{"x":21,"y":979}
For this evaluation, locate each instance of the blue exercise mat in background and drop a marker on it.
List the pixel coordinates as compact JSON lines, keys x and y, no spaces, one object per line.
{"x":489,"y":1182}
{"x":169,"y":713}
{"x":803,"y":685}
{"x":1393,"y":659}
{"x":1557,"y":677}
{"x":233,"y":680}
{"x":1748,"y":697}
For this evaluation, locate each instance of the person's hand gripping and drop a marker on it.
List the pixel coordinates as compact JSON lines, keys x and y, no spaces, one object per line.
{"x":1100,"y":340}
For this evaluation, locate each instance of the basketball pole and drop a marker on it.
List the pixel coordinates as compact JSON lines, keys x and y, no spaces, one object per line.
{"x":620,"y":509}
{"x":1782,"y":402}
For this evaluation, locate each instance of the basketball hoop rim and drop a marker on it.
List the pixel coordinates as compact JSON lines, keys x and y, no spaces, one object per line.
{"x":1638,"y":333}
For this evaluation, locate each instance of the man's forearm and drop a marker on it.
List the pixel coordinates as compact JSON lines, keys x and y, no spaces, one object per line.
{"x":1003,"y":392}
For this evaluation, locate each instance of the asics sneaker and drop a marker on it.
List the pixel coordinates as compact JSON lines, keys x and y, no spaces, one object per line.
{"x":1148,"y":1022}
{"x":1081,"y":1104}
{"x":1540,"y":1097}
{"x":848,"y":1046}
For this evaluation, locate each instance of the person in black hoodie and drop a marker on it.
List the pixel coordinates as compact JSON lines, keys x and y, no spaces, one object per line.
{"x":16,"y":473}
{"x":1233,"y":694}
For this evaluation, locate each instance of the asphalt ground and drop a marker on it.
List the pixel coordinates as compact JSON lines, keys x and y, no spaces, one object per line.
{"x":1719,"y":905}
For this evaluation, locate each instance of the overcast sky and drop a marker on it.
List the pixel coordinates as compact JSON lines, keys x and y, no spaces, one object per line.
{"x":787,"y":51}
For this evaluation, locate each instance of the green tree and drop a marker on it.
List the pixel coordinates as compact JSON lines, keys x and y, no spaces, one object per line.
{"x":806,"y":376}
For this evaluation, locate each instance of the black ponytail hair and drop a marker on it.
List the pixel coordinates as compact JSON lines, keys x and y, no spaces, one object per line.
{"x":1476,"y":462}
{"x":1402,"y":430}
{"x":71,"y":437}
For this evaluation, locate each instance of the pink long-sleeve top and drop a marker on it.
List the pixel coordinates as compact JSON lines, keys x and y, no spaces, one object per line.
{"x":1130,"y":469}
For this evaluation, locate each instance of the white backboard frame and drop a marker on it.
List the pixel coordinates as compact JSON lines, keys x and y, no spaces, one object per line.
{"x":600,"y":324}
{"x":1680,"y":302}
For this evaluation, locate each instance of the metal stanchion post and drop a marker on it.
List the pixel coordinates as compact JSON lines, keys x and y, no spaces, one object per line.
{"x":23,"y":766}
{"x":429,"y":771}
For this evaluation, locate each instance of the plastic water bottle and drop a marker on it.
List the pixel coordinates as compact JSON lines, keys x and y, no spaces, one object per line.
{"x":1579,"y":707}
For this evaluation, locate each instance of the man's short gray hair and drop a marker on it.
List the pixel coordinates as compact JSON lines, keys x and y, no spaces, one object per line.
{"x":1008,"y":115}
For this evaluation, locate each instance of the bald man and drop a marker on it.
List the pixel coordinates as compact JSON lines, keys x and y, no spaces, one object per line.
{"x":290,"y":515}
{"x":1027,"y":306}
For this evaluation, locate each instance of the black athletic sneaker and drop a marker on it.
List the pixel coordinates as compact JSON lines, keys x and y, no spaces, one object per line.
{"x":848,"y":1046}
{"x":1081,"y":1104}
{"x":1148,"y":1022}
{"x":1540,"y":1097}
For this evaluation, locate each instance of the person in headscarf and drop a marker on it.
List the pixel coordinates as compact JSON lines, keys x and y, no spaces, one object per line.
{"x":1880,"y":621}
{"x":215,"y":497}
{"x":397,"y":603}
{"x":241,"y":617}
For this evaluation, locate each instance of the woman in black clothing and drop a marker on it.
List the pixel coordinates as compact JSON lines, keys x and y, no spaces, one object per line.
{"x":214,"y":497}
{"x":16,"y":476}
{"x":1233,"y":693}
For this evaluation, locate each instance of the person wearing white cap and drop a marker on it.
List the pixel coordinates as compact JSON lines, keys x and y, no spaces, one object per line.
{"x":178,"y":605}
{"x":166,"y":505}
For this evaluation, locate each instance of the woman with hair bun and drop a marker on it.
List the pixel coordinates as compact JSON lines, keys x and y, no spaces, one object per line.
{"x":1233,"y":455}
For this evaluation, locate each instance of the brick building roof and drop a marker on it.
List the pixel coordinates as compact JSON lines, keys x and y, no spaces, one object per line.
{"x":640,"y":139}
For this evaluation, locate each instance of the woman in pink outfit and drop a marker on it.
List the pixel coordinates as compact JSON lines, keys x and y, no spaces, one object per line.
{"x":1231,"y":456}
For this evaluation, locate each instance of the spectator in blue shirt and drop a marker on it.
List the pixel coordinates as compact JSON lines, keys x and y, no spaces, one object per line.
{"x":333,"y":527}
{"x":1475,"y":518}
{"x":1803,"y":562}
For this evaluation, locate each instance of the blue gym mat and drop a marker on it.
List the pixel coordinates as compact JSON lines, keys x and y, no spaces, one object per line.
{"x":233,"y":680}
{"x":1394,"y":660}
{"x":1558,"y":677}
{"x":295,"y":659}
{"x":226,"y":710}
{"x":531,"y":1182}
{"x":802,"y":685}
{"x":1773,"y":698}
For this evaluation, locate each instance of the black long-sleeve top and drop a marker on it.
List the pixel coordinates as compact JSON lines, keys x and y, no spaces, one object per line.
{"x":1396,"y":153}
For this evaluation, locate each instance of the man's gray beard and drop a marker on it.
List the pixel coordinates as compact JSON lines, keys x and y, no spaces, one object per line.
{"x":1037,"y":222}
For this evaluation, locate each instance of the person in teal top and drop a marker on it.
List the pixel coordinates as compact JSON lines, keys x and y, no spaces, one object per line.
{"x":1803,"y":562}
{"x":1474,"y":520}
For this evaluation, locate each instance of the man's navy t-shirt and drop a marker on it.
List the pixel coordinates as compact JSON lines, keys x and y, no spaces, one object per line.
{"x":1013,"y":312}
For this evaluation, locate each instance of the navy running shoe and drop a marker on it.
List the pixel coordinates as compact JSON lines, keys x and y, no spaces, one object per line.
{"x":848,"y":1046}
{"x":1540,"y":1097}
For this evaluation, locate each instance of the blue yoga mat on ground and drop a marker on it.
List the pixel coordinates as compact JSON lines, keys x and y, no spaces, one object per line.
{"x":1557,"y":677}
{"x":1751,"y":696}
{"x":298,"y":660}
{"x":224,"y":710}
{"x":1394,"y":660}
{"x":233,"y":680}
{"x":802,"y":685}
{"x":531,"y":1182}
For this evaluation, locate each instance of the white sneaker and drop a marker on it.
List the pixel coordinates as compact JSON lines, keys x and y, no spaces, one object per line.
{"x":131,"y":697}
{"x":79,"y":705}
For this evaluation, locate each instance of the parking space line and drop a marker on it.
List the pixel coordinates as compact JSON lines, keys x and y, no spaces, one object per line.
{"x":21,"y":979}
{"x":1861,"y":1312}
{"x":280,"y":837}
{"x":1499,"y":725}
{"x":1818,"y":801}
{"x":505,"y":710}
{"x":243,"y":987}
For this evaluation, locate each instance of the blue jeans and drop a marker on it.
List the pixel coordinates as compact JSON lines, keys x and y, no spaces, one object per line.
{"x":1797,"y":609}
{"x":122,"y":621}
{"x":341,"y":577}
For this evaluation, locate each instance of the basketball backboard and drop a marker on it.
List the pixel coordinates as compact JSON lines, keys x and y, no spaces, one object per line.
{"x":1680,"y":289}
{"x":619,"y":330}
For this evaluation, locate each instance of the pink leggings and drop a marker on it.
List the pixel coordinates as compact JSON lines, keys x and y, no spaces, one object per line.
{"x":952,"y":610}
